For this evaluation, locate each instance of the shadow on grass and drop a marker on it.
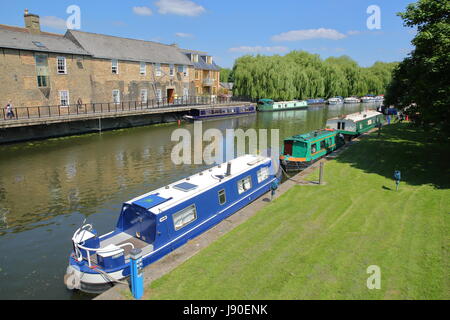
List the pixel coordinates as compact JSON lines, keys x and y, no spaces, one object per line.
{"x":420,"y":156}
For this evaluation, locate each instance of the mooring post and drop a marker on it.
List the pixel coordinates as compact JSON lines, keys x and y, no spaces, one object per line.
{"x":137,"y":278}
{"x":321,"y":173}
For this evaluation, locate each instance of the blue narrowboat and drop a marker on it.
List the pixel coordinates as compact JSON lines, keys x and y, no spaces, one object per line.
{"x":219,"y":112}
{"x":160,"y":221}
{"x":315,"y":101}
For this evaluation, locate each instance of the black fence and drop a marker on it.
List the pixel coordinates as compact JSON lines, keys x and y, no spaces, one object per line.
{"x":24,"y":113}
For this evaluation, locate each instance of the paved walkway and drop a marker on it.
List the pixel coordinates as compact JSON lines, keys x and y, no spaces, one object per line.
{"x":180,"y":255}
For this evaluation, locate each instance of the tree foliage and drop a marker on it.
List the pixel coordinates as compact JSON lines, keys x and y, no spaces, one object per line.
{"x":423,"y":78}
{"x":301,"y":75}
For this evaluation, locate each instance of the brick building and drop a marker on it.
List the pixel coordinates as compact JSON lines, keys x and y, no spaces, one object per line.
{"x":207,"y":73}
{"x":41,"y":69}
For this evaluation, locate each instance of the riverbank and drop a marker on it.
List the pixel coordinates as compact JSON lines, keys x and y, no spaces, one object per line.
{"x":317,"y":242}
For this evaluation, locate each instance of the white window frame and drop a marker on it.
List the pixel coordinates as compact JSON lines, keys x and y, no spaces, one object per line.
{"x":159,"y":95}
{"x":171,"y":70}
{"x":143,"y":69}
{"x":58,"y":71}
{"x":115,"y":66}
{"x":263,"y":174}
{"x":114,"y":95}
{"x":186,"y":71}
{"x":67,"y":98}
{"x":184,"y":217}
{"x":180,"y":68}
{"x":244,"y":185}
{"x":225,"y":195}
{"x":158,"y":69}
{"x":145,"y":91}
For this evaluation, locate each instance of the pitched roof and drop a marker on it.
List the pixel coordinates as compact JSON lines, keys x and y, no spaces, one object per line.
{"x":22,"y":39}
{"x":201,"y":64}
{"x":110,"y":47}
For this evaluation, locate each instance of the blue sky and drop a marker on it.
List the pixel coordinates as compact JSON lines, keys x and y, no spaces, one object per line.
{"x":232,"y":28}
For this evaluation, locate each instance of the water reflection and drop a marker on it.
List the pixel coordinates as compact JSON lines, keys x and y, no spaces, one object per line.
{"x":48,"y":187}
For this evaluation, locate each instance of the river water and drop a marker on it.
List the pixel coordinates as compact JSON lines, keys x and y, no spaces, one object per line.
{"x":47,"y":189}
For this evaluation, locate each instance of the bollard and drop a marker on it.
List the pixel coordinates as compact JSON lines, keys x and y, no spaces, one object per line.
{"x":273,"y":189}
{"x":137,"y":278}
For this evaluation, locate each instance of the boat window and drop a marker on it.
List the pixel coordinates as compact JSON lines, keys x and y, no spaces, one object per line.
{"x":263,"y":174}
{"x":322,"y":144}
{"x":222,"y":197}
{"x":184,"y":217}
{"x":343,"y":126}
{"x":244,"y":185}
{"x":313,"y":148}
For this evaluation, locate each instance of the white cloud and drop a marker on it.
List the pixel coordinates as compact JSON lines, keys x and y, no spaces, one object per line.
{"x":179,"y":7}
{"x":258,"y":49}
{"x":298,"y":35}
{"x":54,"y":22}
{"x":184,"y":35}
{"x":142,"y":11}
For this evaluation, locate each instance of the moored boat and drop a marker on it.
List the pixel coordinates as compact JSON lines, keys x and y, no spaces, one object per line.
{"x":219,"y":112}
{"x":160,"y":221}
{"x":265,"y":105}
{"x":351,"y":100}
{"x":302,"y":150}
{"x":335,"y":100}
{"x":368,"y":99}
{"x":355,"y":124}
{"x":315,"y":101}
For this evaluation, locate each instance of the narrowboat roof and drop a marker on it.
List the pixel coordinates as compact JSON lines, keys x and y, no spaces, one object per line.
{"x":314,"y":135}
{"x":355,"y":117}
{"x":164,"y":198}
{"x":266,"y":100}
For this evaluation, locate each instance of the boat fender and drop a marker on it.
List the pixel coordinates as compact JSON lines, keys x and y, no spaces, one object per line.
{"x":72,"y":280}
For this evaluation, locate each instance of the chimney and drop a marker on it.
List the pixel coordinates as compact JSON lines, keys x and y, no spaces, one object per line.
{"x":32,"y":22}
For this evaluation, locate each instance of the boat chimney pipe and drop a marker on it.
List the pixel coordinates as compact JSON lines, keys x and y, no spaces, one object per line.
{"x":228,"y":169}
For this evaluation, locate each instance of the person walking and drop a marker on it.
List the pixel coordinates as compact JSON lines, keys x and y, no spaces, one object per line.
{"x":9,"y":110}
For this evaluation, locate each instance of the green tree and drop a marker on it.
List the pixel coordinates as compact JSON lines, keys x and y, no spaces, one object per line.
{"x":421,"y":83}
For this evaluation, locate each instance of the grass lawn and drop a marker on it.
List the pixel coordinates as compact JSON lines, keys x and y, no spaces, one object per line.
{"x":316,"y":242}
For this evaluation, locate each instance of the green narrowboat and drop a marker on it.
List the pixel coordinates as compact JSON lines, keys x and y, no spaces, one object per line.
{"x":301,"y":151}
{"x":265,"y":105}
{"x":356,"y":124}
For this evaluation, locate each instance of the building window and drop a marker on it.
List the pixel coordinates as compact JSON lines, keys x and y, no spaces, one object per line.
{"x":244,"y":185}
{"x":197,"y":75}
{"x":143,"y":68}
{"x":184,"y":217}
{"x":158,"y":69}
{"x":171,"y":70}
{"x":198,"y":91}
{"x":144,"y":95}
{"x":42,"y":70}
{"x":159,"y":95}
{"x":116,"y":96}
{"x":180,"y":68}
{"x":64,"y":98}
{"x":185,"y":71}
{"x":263,"y":174}
{"x":61,"y":65}
{"x":115,"y":67}
{"x":222,"y":197}
{"x":195,"y":58}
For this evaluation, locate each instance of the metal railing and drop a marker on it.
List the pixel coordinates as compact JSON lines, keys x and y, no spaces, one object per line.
{"x":25,"y":113}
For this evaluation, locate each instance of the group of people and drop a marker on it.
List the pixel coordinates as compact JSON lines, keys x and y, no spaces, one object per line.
{"x":9,"y":110}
